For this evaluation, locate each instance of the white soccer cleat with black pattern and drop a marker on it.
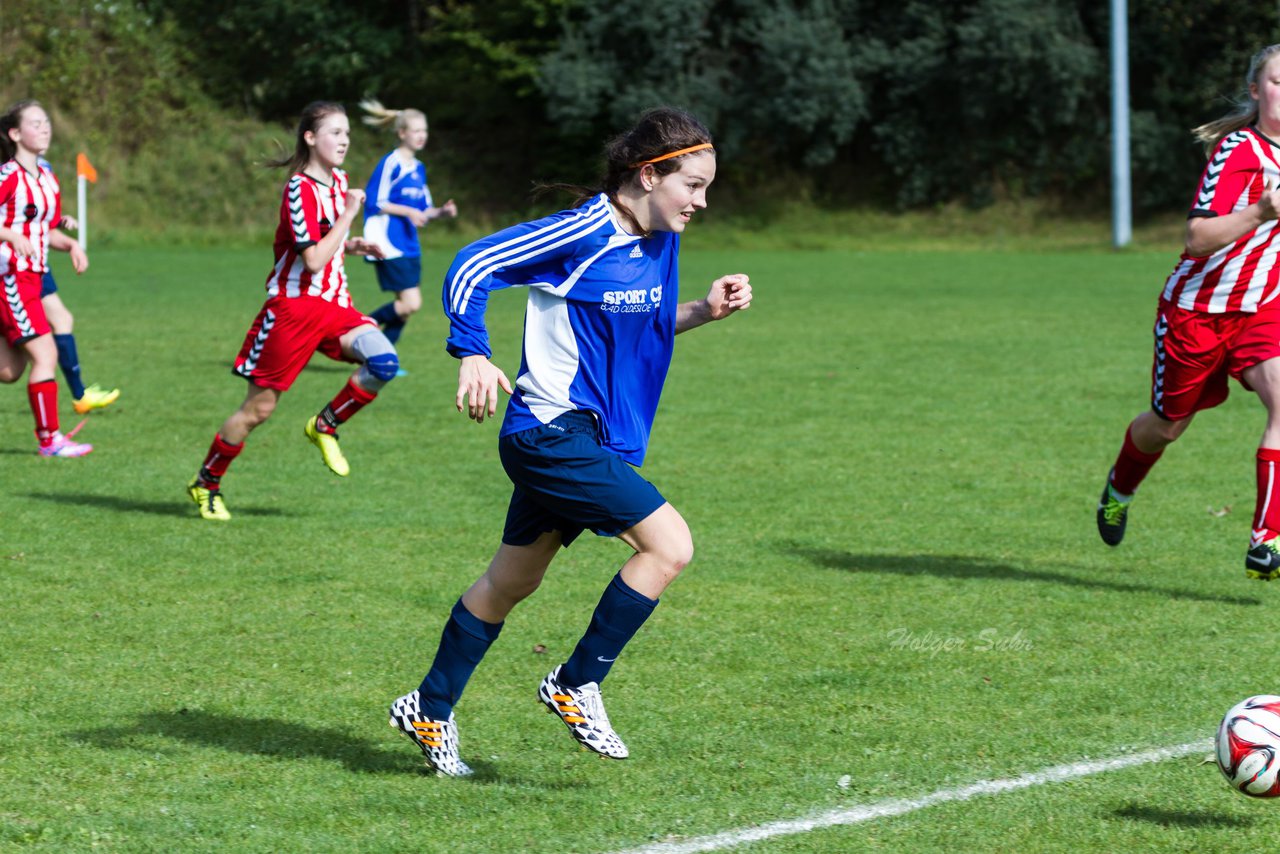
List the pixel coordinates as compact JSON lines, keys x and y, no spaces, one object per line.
{"x":438,"y":740}
{"x":583,"y":713}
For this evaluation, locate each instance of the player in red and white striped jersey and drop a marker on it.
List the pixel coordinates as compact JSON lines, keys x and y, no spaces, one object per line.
{"x":30,"y":207}
{"x":1218,"y":314}
{"x":308,"y":308}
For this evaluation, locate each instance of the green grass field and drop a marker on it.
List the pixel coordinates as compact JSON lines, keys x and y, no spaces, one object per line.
{"x":890,"y":466}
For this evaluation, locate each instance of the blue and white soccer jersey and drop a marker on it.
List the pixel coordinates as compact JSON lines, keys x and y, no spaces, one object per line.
{"x":599,"y":326}
{"x":398,"y":183}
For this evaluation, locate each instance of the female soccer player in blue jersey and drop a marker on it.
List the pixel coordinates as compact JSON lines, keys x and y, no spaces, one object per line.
{"x":397,"y":204}
{"x":599,"y":331}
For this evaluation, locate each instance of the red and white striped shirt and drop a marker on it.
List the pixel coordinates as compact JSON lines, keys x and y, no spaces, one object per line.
{"x":30,"y":204}
{"x":1242,"y":276}
{"x":307,"y":212}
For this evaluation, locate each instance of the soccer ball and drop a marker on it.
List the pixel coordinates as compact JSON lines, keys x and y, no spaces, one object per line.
{"x":1248,"y":746}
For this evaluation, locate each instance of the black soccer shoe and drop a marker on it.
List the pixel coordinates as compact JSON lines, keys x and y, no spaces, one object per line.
{"x":1263,"y":560}
{"x":1113,"y":515}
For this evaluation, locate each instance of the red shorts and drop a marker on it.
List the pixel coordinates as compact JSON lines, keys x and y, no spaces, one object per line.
{"x":1195,"y":352}
{"x":287,"y":332}
{"x":21,"y":312}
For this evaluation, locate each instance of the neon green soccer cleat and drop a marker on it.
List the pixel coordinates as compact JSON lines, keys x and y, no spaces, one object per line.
{"x":95,"y":398}
{"x":209,"y":501}
{"x":329,"y":449}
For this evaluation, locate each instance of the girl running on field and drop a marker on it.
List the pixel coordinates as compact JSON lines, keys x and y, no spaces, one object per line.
{"x":600,"y":326}
{"x":307,"y":308}
{"x":30,"y":210}
{"x":1218,"y":315}
{"x":397,"y":204}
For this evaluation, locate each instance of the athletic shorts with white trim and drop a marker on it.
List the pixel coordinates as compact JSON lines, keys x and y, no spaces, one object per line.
{"x":21,"y":312}
{"x":285,"y":335}
{"x":1195,"y":353}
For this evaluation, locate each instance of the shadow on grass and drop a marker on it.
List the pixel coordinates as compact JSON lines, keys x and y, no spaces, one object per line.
{"x":255,"y":737}
{"x":966,"y":567}
{"x":285,"y":739}
{"x":177,"y":507}
{"x":1176,"y":818}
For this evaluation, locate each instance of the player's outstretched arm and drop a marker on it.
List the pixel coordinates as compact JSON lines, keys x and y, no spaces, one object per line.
{"x":65,"y":243}
{"x":478,"y":384}
{"x":728,"y":295}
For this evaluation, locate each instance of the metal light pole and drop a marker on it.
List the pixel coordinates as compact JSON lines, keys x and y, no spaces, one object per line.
{"x":1121,"y":199}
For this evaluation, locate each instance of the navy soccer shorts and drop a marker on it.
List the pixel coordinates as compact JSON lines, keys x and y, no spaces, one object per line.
{"x":47,"y":285}
{"x":397,"y":274}
{"x":564,"y":481}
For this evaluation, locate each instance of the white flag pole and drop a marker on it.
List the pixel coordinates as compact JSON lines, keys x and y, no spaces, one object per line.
{"x":81,"y":215}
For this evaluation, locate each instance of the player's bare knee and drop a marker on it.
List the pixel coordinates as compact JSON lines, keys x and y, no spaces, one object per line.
{"x":1169,"y":431}
{"x":675,"y":555}
{"x":258,"y":411}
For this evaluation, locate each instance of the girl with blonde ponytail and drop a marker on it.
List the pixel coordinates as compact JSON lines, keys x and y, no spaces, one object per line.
{"x":1218,"y":315}
{"x":397,"y":204}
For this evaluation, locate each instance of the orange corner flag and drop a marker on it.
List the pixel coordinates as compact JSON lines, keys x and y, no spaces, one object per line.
{"x":84,"y":169}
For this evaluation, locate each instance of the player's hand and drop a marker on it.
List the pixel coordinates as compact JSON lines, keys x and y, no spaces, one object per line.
{"x":79,"y":260}
{"x":729,"y":294}
{"x":355,"y":201}
{"x":360,"y":246}
{"x":69,"y":223}
{"x":449,"y":209}
{"x":1269,"y":201}
{"x":22,"y":246}
{"x":478,"y":384}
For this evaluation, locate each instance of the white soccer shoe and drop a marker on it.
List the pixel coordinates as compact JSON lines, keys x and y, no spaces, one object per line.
{"x":583,"y":713}
{"x":437,"y":739}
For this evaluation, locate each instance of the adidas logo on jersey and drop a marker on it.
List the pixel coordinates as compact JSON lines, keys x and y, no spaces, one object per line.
{"x":635,"y":252}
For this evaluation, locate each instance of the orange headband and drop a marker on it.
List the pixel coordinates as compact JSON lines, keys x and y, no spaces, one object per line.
{"x":688,"y":150}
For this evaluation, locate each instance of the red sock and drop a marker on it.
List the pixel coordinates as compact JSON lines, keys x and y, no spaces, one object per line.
{"x":349,"y":401}
{"x":1266,"y":513}
{"x":1131,"y":466}
{"x":218,"y":460}
{"x":44,"y":406}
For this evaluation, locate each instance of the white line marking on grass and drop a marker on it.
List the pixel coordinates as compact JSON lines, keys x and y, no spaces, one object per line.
{"x":901,"y":806}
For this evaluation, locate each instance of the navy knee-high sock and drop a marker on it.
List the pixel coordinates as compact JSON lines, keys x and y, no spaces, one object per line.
{"x":392,"y":324}
{"x":464,"y":641}
{"x":69,"y":361}
{"x":620,"y":614}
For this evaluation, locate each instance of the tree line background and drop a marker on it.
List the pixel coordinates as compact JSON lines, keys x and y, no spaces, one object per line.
{"x":895,"y":104}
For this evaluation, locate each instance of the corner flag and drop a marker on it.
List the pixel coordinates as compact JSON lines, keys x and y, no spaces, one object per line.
{"x":84,"y":172}
{"x":84,"y":169}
